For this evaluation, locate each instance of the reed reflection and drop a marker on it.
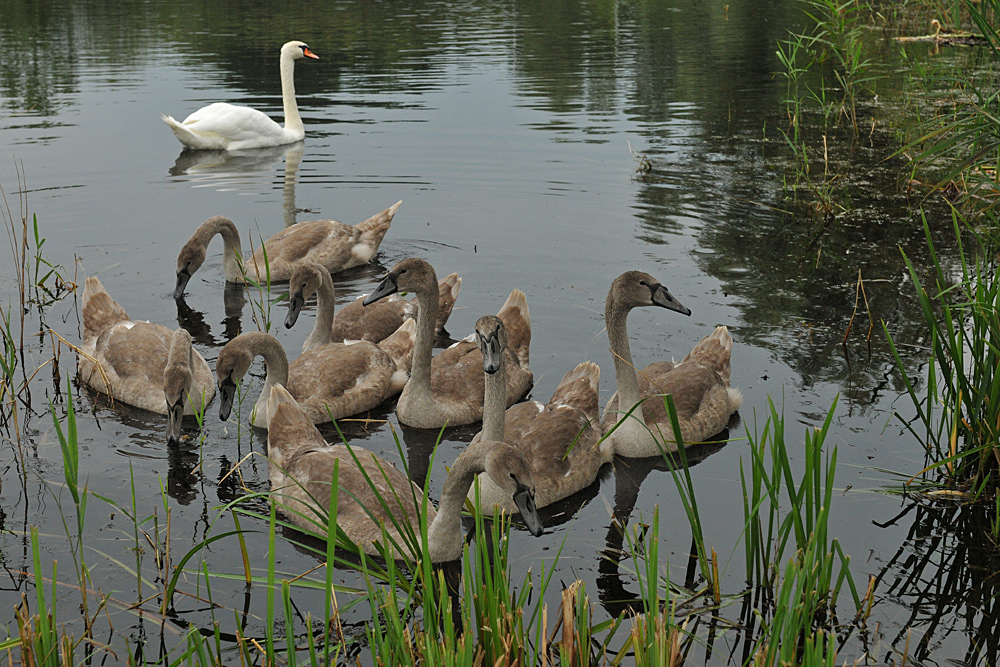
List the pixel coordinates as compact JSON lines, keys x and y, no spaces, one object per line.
{"x":629,"y":477}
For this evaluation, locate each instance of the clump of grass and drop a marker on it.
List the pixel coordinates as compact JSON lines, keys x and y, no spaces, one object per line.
{"x":261,"y":307}
{"x":959,"y":417}
{"x":796,"y":606}
{"x":654,"y":638}
{"x":41,"y":641}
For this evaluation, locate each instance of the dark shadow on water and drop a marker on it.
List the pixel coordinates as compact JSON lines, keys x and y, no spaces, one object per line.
{"x":420,"y":443}
{"x":194,"y":322}
{"x":948,"y":568}
{"x":149,"y":434}
{"x":629,"y":476}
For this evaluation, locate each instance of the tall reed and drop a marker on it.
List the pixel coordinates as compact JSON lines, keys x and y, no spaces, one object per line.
{"x":959,"y":415}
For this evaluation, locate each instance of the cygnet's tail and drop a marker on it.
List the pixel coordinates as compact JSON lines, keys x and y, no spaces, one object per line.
{"x":578,"y":389}
{"x":447,"y":294}
{"x":735,"y":399}
{"x":517,"y":320}
{"x":714,"y":351}
{"x":374,"y":228}
{"x":100,"y":311}
{"x":289,"y":429}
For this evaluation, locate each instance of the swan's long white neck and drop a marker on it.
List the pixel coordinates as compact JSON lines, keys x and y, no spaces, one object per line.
{"x":427,"y":298}
{"x":322,"y":332}
{"x":625,"y":374}
{"x":495,"y":402}
{"x":293,"y":122}
{"x":444,"y":536}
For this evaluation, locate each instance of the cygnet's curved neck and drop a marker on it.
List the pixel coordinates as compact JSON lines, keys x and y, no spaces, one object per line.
{"x":181,"y":352}
{"x":495,"y":402}
{"x":178,"y":374}
{"x":444,"y":535}
{"x":293,"y":122}
{"x":232,"y":253}
{"x":427,"y":299}
{"x":268,"y":347}
{"x":625,"y":374}
{"x":326,"y":306}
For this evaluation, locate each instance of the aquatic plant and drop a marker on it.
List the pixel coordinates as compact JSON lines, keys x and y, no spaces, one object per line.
{"x":261,"y":307}
{"x":40,"y":639}
{"x":959,"y":415}
{"x":960,"y":145}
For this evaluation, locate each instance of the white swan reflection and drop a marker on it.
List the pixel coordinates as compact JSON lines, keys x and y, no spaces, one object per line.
{"x":245,"y":171}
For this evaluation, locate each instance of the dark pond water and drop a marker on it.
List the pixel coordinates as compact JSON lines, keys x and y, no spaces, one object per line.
{"x":505,"y":128}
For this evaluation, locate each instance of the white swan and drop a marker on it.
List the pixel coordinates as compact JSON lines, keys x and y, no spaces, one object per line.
{"x":141,"y":363}
{"x":301,"y":467}
{"x":559,"y":439}
{"x":699,"y":384}
{"x":223,"y":126}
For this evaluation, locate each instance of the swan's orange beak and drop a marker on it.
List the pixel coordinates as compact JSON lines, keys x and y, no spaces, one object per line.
{"x":309,"y":54}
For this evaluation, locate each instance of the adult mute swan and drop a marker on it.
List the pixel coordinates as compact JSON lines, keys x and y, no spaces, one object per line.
{"x":141,"y":363}
{"x":224,"y":126}
{"x":334,"y":245}
{"x":699,"y":383}
{"x":559,"y":439}
{"x":449,"y":388}
{"x":301,"y":468}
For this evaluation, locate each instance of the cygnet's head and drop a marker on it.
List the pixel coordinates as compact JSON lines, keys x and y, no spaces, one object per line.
{"x":178,"y":379}
{"x":635,"y":288}
{"x":192,"y":255}
{"x":508,"y":468}
{"x":408,"y":275}
{"x":491,"y":337}
{"x":305,"y":282}
{"x":233,"y":363}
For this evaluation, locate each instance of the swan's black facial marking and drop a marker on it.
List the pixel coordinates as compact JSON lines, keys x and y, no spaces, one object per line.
{"x":295,"y":303}
{"x":175,"y":414}
{"x":227,"y":390}
{"x":663,"y":298}
{"x":491,"y":349}
{"x":385,"y":288}
{"x":524,"y":498}
{"x":183,"y":276}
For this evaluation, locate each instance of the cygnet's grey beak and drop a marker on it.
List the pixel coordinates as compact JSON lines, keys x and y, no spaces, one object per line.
{"x":295,"y":303}
{"x":182,"y":281}
{"x":227,"y":390}
{"x":525,"y":501}
{"x":175,"y":414}
{"x":664,"y":299}
{"x":384,"y":289}
{"x":492,"y":354}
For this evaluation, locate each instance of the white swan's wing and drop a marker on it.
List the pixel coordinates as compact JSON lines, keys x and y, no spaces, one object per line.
{"x":237,"y":123}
